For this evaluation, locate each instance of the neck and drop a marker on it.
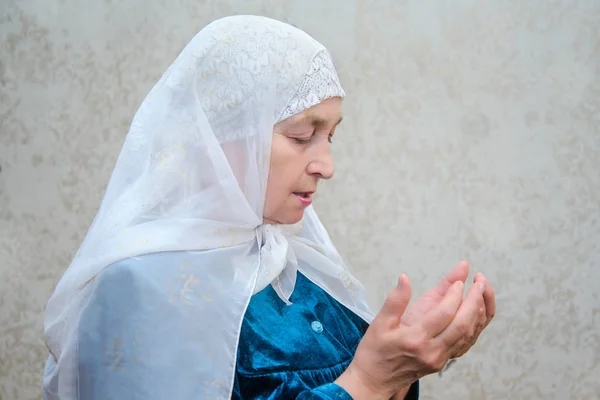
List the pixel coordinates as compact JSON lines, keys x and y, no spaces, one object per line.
{"x":270,"y":221}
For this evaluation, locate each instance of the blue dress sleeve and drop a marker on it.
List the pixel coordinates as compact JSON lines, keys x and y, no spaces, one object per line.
{"x":332,"y":391}
{"x":329,"y":391}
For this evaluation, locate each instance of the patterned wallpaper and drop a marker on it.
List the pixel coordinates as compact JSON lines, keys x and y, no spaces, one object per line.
{"x":471,"y":130}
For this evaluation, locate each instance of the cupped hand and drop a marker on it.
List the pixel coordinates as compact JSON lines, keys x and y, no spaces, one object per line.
{"x":432,"y":297}
{"x":393,"y":355}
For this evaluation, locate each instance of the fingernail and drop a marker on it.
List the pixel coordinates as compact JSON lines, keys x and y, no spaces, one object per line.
{"x":480,"y":287}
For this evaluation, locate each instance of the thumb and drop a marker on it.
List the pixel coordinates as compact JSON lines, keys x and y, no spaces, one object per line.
{"x":396,"y":303}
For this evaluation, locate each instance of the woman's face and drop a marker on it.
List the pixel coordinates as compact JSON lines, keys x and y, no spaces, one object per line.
{"x":300,"y":157}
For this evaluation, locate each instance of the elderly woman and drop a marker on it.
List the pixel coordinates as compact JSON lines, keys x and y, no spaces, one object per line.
{"x":206,"y":273}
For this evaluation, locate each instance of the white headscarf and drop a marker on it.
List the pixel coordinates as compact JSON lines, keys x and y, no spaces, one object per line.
{"x":191,"y":181}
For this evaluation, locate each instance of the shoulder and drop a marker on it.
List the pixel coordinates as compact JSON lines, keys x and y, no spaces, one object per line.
{"x":128,"y":269}
{"x":125,"y":296}
{"x":133,"y":272}
{"x":125,"y":284}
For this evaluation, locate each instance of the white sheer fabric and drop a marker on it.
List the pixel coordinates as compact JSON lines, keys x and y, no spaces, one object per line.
{"x":191,"y":181}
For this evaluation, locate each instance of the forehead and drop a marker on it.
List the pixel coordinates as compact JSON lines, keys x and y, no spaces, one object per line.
{"x":327,"y":112}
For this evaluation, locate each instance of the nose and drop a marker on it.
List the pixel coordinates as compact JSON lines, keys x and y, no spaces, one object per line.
{"x":322,"y":164}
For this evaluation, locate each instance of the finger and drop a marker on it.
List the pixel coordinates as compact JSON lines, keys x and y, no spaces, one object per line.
{"x":438,"y":319}
{"x":395,"y":304}
{"x":463,"y":345}
{"x":482,"y":320}
{"x":489,"y":297}
{"x":459,"y":349}
{"x":464,"y":324}
{"x":481,"y":324}
{"x":481,"y":279}
{"x":458,"y":273}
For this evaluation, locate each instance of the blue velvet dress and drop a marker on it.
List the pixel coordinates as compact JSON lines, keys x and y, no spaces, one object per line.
{"x":297,"y":351}
{"x":284,"y":352}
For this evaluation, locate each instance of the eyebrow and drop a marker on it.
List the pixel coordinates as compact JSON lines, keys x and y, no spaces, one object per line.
{"x":317,"y":122}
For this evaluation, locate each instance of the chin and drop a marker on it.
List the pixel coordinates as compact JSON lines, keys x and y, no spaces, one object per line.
{"x":295,"y":220}
{"x":289,"y":218}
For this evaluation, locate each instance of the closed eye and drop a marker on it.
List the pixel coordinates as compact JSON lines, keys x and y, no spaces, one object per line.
{"x":304,"y":140}
{"x":307,"y":140}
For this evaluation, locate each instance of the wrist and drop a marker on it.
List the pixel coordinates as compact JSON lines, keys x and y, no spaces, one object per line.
{"x":357,"y":387}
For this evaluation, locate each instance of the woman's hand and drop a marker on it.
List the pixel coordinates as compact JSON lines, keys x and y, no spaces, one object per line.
{"x":392,"y":355}
{"x":433,"y":297}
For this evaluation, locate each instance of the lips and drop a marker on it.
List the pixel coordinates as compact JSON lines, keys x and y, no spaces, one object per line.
{"x":304,"y":197}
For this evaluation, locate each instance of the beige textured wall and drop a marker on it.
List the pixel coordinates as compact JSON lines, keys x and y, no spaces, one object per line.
{"x":472,"y":130}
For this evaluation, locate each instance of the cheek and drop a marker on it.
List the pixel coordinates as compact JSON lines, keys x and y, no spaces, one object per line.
{"x":278,"y":167}
{"x":285,"y":170}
